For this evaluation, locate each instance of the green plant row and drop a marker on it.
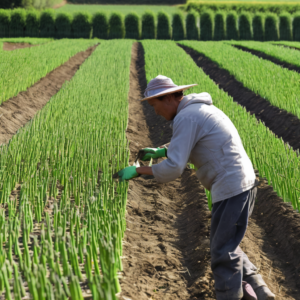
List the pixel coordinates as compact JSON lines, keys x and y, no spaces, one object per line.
{"x":62,"y":217}
{"x":20,"y":69}
{"x":256,"y":7}
{"x":213,"y":26}
{"x":295,"y":45}
{"x":280,"y":52}
{"x":275,"y":160}
{"x":277,"y":85}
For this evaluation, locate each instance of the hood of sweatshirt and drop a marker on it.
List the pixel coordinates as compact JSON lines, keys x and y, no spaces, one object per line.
{"x":194,"y":98}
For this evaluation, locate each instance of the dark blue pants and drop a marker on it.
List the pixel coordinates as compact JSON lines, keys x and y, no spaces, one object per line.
{"x":230,"y":265}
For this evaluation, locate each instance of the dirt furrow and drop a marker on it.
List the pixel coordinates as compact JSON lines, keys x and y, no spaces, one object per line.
{"x":166,"y":245}
{"x":17,"y":111}
{"x":7,"y":46}
{"x":282,"y":123}
{"x":270,"y":58}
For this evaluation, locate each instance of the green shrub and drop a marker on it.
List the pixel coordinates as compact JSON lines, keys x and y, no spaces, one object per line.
{"x":219,"y":28}
{"x":132,"y":26}
{"x":100,"y":25}
{"x":4,"y":23}
{"x":296,"y":27}
{"x":245,"y":26}
{"x":32,"y":27}
{"x":63,"y":26}
{"x":206,"y":26}
{"x":148,"y":25}
{"x":82,"y":25}
{"x":163,"y":26}
{"x":17,"y":23}
{"x":285,"y":26}
{"x":258,"y":27}
{"x":116,"y":26}
{"x":192,"y":32}
{"x":47,"y":23}
{"x":178,"y":27}
{"x":271,"y":27}
{"x":232,"y":26}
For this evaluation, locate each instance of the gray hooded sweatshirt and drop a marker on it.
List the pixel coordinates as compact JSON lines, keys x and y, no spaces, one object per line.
{"x":205,"y":136}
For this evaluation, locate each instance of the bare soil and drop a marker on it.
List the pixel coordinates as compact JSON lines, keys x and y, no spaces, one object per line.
{"x":17,"y":111}
{"x":282,"y":123}
{"x":63,"y":3}
{"x":270,"y":58}
{"x":166,"y":252}
{"x":14,"y":46}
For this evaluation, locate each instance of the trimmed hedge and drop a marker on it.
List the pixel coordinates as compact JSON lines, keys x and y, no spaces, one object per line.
{"x":242,"y":7}
{"x":116,"y":26}
{"x":232,"y":26}
{"x":271,"y":28}
{"x":100,"y":25}
{"x":245,"y":26}
{"x":63,"y":26}
{"x":192,"y":32}
{"x":258,"y":27}
{"x":148,"y":25}
{"x":163,"y":26}
{"x":285,"y":27}
{"x":32,"y":27}
{"x":47,"y":23}
{"x":4,"y":23}
{"x":178,"y":27}
{"x":82,"y":25}
{"x":296,"y":27}
{"x":219,"y":28}
{"x":206,"y":26}
{"x":132,"y":26}
{"x":17,"y":23}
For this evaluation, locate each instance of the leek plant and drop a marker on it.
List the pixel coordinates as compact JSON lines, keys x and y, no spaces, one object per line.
{"x":282,"y":53}
{"x":274,"y":159}
{"x":20,"y":69}
{"x":62,"y":216}
{"x":277,"y":85}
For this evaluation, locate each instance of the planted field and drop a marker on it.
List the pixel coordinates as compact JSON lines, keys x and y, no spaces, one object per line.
{"x":20,"y":69}
{"x":275,"y":84}
{"x":67,"y":230}
{"x":123,"y":9}
{"x":280,"y":52}
{"x":62,"y":214}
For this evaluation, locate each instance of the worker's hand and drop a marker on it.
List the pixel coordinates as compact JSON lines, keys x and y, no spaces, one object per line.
{"x":154,"y":153}
{"x":128,"y":173}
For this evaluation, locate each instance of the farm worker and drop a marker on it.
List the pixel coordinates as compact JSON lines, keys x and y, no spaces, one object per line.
{"x":205,"y":136}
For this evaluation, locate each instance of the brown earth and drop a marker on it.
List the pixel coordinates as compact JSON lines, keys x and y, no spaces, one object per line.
{"x":14,"y":46}
{"x":272,"y":59}
{"x":282,"y":123}
{"x":63,"y":3}
{"x":17,"y":111}
{"x":166,"y":244}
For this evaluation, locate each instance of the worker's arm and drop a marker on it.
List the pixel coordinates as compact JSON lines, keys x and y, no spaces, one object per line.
{"x":144,"y":171}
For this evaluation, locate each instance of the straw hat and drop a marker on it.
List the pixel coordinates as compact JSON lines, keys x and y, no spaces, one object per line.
{"x":162,"y":85}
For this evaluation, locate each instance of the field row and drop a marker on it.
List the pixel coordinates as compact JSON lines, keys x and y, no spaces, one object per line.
{"x":62,"y":217}
{"x":221,"y":25}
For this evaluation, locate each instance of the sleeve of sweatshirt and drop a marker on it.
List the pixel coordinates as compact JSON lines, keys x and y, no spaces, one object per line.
{"x":186,"y":134}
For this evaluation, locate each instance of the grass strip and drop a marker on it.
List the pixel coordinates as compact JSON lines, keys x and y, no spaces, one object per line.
{"x":20,"y":69}
{"x":274,"y":159}
{"x":63,"y":226}
{"x":288,"y":44}
{"x":277,"y":85}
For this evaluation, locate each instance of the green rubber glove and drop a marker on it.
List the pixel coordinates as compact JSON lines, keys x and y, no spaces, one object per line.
{"x":128,"y":173}
{"x":154,"y":153}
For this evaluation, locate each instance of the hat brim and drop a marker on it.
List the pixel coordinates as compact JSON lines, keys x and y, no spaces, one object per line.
{"x":170,"y":91}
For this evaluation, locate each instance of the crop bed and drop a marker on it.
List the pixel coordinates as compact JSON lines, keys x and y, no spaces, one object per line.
{"x":66,"y":227}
